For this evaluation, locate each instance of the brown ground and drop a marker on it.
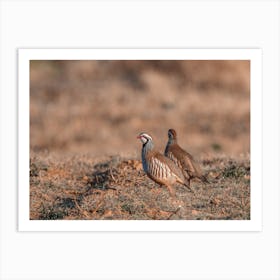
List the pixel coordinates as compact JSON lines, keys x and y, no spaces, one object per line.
{"x":85,"y":158}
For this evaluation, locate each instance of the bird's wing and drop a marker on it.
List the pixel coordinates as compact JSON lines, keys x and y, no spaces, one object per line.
{"x":170,"y":165}
{"x":187,"y":161}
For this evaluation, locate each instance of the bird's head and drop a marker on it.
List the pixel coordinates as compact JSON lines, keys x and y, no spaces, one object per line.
{"x":172,"y":135}
{"x":144,"y":137}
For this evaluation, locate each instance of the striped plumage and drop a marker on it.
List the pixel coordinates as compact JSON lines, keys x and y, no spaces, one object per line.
{"x":183,"y":159}
{"x":158,"y":167}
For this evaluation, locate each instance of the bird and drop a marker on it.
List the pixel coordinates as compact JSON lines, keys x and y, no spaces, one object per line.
{"x":159,"y":168}
{"x":183,"y":159}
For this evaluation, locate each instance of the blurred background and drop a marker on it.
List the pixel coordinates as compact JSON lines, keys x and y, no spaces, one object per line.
{"x":99,"y":107}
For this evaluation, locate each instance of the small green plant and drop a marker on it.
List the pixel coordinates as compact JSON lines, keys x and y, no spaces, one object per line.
{"x":216,"y":147}
{"x":128,"y":208}
{"x":233,"y":171}
{"x":51,"y":213}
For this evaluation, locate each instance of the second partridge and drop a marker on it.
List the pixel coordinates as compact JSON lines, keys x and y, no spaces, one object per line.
{"x":183,"y":159}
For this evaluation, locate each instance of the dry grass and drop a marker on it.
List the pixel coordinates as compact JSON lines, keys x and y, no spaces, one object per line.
{"x":117,"y":188}
{"x":83,"y":112}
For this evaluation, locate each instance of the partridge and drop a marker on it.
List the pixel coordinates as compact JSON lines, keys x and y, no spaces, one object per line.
{"x":183,"y":159}
{"x":159,"y":168}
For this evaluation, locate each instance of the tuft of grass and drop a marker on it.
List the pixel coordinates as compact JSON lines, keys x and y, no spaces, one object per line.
{"x":51,"y":213}
{"x":128,"y":208}
{"x":235,"y":171}
{"x":36,"y":167}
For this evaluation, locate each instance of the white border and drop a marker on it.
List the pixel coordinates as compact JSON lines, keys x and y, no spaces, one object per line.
{"x":25,"y":55}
